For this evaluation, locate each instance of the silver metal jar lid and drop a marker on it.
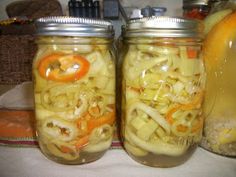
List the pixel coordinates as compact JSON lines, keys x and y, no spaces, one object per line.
{"x":73,"y":26}
{"x":162,"y":26}
{"x":187,"y":3}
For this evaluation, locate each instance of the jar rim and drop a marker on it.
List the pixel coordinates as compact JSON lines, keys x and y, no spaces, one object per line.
{"x":73,"y":26}
{"x":195,"y":2}
{"x":163,"y":26}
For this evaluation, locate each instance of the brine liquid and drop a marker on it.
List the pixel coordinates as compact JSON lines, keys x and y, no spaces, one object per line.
{"x":85,"y":157}
{"x":164,"y":161}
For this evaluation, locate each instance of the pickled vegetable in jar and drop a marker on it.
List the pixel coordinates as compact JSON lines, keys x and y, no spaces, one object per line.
{"x":219,"y":55}
{"x":162,"y":90}
{"x":74,"y":88}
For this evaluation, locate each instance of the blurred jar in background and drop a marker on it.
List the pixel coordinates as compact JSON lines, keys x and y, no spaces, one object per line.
{"x":219,"y":134}
{"x":195,"y":9}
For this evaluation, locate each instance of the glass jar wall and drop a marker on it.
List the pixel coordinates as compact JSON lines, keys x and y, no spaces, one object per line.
{"x":74,"y":89}
{"x":162,"y":90}
{"x":219,"y":55}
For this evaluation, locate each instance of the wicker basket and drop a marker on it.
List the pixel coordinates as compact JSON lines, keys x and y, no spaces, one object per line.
{"x":16,"y":56}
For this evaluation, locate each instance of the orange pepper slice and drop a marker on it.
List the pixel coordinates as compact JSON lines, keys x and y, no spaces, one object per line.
{"x":92,"y":122}
{"x":66,"y":149}
{"x":193,"y":105}
{"x":55,"y":67}
{"x":182,"y":128}
{"x":108,"y":118}
{"x":81,"y":142}
{"x":169,"y":114}
{"x":192,"y":53}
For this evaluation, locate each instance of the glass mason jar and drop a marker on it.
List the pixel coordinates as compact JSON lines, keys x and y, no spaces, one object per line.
{"x":195,"y":9}
{"x":162,"y":90}
{"x":74,"y":88}
{"x":219,"y":134}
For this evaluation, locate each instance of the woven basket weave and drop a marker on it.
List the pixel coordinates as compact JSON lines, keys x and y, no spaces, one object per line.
{"x":16,"y":56}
